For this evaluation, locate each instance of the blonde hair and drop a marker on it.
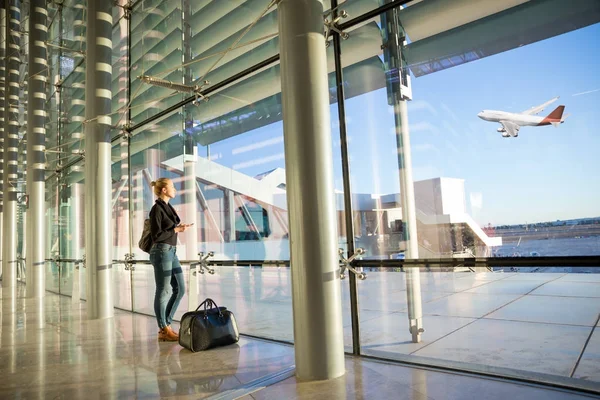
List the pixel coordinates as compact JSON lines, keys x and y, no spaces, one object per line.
{"x":159,"y":184}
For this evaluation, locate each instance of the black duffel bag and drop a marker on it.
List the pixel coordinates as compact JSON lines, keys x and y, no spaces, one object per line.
{"x":210,"y":327}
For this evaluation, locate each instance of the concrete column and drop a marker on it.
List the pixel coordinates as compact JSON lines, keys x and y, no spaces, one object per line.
{"x":318,"y":334}
{"x":413,"y":277}
{"x":11,"y":143}
{"x":36,"y":139}
{"x":98,"y":215}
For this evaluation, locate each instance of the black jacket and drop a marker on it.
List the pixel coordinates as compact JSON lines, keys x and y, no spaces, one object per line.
{"x":163,"y":220}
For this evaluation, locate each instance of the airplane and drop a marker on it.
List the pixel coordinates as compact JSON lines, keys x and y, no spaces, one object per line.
{"x":512,"y":122}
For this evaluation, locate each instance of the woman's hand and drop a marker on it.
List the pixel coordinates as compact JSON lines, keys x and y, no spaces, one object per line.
{"x":182,"y":227}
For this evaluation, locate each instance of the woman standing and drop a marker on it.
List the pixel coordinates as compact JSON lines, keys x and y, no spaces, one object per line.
{"x":168,"y":275}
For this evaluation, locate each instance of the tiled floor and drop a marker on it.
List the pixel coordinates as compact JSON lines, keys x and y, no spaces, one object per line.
{"x":533,"y":322}
{"x":49,"y":350}
{"x":371,"y":380}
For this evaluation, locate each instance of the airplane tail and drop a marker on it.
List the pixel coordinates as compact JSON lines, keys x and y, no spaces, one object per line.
{"x":555,"y":117}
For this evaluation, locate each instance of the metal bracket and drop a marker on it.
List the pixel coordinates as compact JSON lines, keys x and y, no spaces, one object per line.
{"x":129,"y":266}
{"x":127,"y":9}
{"x":333,"y":26}
{"x":203,"y":264}
{"x":194,"y":89}
{"x":54,"y":257}
{"x":197,"y":95}
{"x":415,"y":329}
{"x":345,"y":264}
{"x":126,"y":130}
{"x":78,"y":262}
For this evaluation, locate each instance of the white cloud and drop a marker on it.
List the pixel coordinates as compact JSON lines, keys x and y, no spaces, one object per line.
{"x":588,"y":92}
{"x":425,"y":147}
{"x":418,"y":105}
{"x":423,"y":127}
{"x":259,"y":161}
{"x":449,"y":128}
{"x":259,"y":145}
{"x":450,"y":113}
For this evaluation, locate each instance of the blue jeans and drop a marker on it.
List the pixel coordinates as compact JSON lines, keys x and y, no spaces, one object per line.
{"x":170,"y":287}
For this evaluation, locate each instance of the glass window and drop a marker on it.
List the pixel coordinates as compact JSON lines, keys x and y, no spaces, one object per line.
{"x":511,"y":180}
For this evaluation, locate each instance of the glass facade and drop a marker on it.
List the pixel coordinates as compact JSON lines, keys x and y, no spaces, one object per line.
{"x":499,"y":212}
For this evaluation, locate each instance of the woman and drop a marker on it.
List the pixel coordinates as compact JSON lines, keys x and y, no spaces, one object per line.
{"x":168,"y":275}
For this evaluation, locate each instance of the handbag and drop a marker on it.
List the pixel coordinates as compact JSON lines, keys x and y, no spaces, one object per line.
{"x":145,"y":242}
{"x":213,"y":326}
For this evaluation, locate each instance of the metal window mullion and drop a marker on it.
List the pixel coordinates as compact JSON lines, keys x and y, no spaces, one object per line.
{"x":348,"y":209}
{"x":130,"y":206}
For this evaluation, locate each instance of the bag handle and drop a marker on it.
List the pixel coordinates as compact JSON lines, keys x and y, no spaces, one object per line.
{"x":207,"y":304}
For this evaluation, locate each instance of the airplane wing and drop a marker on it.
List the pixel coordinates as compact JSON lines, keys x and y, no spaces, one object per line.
{"x":540,"y":108}
{"x":511,"y":128}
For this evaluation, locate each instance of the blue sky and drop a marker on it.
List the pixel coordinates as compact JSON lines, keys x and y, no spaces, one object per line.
{"x":545,"y":174}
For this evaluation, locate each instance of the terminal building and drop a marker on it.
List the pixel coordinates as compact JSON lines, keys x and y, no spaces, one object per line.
{"x":312,"y":146}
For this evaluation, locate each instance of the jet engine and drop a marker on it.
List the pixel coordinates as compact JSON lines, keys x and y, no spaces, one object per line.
{"x":501,"y":130}
{"x":504,"y":134}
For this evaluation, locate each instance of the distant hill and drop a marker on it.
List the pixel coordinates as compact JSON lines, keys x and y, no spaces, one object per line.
{"x":566,"y":222}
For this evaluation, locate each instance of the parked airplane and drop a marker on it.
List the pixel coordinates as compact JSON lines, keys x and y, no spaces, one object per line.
{"x":512,"y":122}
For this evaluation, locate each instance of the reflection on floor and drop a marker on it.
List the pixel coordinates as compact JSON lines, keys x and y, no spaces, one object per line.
{"x":534,"y":322}
{"x":49,"y":350}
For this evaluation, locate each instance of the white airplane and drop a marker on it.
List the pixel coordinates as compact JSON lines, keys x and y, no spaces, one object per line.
{"x":512,"y":122}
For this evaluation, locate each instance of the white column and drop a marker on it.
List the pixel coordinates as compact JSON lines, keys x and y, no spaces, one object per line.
{"x":11,"y":143}
{"x":36,"y":139}
{"x":98,"y":184}
{"x":318,"y":333}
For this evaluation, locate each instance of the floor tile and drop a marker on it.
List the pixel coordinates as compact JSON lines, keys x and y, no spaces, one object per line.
{"x":372,"y":300}
{"x":390,"y":333}
{"x":566,"y":288}
{"x":543,"y":277}
{"x":548,"y":309}
{"x":534,"y":347}
{"x":506,"y":287}
{"x":589,"y":365}
{"x":372,"y":380}
{"x":470,"y":305}
{"x":581,"y":277}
